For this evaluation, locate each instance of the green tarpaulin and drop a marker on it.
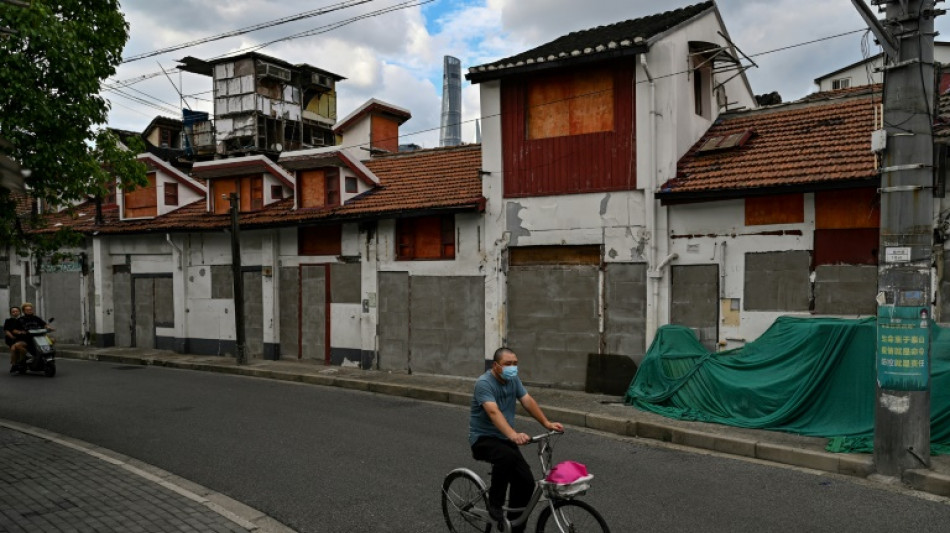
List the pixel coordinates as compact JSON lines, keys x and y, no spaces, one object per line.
{"x":811,"y":376}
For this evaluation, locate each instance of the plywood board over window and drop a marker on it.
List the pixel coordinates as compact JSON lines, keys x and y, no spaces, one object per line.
{"x":312,"y":188}
{"x":425,"y":238}
{"x":221,"y":191}
{"x":579,"y":103}
{"x":779,"y":209}
{"x":320,"y":240}
{"x":846,"y":227}
{"x":141,"y":202}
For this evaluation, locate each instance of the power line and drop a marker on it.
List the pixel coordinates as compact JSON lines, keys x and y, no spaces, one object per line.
{"x":336,"y":25}
{"x":415,"y":3}
{"x":233,"y":33}
{"x":309,"y":33}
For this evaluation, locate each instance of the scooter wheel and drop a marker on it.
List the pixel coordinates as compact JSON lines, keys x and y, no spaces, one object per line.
{"x":50,"y":370}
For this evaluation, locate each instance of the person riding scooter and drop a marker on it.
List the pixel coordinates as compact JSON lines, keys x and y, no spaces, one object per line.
{"x":40,"y":353}
{"x":15,"y":337}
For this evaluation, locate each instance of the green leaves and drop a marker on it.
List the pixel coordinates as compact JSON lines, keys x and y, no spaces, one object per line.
{"x":50,"y":72}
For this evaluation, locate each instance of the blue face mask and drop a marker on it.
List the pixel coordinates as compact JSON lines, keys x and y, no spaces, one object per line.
{"x":509,"y":372}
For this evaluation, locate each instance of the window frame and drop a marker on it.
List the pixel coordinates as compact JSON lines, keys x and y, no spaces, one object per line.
{"x":408,"y":235}
{"x":171,"y":193}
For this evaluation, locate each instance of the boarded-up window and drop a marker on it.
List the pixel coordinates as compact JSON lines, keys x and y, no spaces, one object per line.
{"x":171,"y":194}
{"x":250,"y":190}
{"x":109,"y":198}
{"x":777,"y":281}
{"x":425,"y":238}
{"x":846,"y":227}
{"x":781,"y":209}
{"x":141,"y":202}
{"x":252,"y":193}
{"x":846,"y":246}
{"x":385,"y":134}
{"x":221,"y":191}
{"x":319,"y":240}
{"x":312,"y":186}
{"x":572,"y":104}
{"x":333,"y":187}
{"x":849,"y":208}
{"x":554,"y":255}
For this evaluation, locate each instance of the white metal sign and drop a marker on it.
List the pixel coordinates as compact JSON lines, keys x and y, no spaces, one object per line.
{"x":897,"y":254}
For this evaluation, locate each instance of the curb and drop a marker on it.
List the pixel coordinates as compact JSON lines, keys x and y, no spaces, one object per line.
{"x":247,"y":517}
{"x":845,"y":464}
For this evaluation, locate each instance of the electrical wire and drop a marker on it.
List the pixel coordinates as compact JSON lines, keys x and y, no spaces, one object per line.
{"x":414,"y":3}
{"x":256,"y":27}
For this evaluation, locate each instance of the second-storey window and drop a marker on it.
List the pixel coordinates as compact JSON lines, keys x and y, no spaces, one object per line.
{"x":141,"y":201}
{"x":250,"y":190}
{"x":319,"y":240}
{"x":572,"y":104}
{"x":171,"y":194}
{"x":430,"y":237}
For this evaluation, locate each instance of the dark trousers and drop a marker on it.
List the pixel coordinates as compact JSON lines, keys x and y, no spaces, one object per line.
{"x":508,"y":469}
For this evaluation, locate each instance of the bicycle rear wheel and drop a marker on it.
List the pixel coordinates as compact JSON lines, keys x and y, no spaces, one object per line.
{"x":575,"y":516}
{"x":461,"y":495}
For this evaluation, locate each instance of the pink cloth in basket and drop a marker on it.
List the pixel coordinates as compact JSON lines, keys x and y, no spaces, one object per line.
{"x":566,"y":472}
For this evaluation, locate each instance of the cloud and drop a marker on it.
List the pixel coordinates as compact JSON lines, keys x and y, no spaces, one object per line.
{"x":397,"y":56}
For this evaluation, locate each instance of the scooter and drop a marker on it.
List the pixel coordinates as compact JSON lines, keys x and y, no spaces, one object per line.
{"x":42,"y":354}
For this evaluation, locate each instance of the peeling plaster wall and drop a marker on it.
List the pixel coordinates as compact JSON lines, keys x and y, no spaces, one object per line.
{"x":614,"y":220}
{"x":715,"y":233}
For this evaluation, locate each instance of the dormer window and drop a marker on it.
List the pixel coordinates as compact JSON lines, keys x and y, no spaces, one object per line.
{"x":318,"y":188}
{"x":171,"y":194}
{"x":250,"y":189}
{"x":141,"y":202}
{"x":840,"y":83}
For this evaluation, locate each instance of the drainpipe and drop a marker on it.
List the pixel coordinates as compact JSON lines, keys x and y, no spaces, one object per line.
{"x":168,"y":239}
{"x":654,"y":271}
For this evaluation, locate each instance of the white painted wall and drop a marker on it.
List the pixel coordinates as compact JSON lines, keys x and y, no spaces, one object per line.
{"x":715,"y":233}
{"x":868,"y":72}
{"x":357,"y":136}
{"x":468,"y":250}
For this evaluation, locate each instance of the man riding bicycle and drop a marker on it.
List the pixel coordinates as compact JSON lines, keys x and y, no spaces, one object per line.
{"x":494,"y":439}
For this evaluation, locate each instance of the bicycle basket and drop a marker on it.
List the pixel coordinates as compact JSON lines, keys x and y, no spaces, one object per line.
{"x":567,"y":479}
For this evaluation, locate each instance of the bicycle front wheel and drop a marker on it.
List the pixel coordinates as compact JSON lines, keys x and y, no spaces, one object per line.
{"x":574,"y":516}
{"x":464,"y":504}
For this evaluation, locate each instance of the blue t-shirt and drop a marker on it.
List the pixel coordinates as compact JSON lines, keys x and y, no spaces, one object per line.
{"x":489,"y":389}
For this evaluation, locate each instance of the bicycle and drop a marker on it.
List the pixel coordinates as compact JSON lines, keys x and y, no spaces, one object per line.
{"x":465,"y":500}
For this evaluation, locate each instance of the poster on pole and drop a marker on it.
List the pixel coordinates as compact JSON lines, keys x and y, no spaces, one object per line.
{"x":903,"y":348}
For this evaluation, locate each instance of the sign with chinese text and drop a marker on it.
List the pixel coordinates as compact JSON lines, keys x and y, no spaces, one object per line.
{"x":903,"y":348}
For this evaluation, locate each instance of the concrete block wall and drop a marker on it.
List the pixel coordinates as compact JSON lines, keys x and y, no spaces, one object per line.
{"x":626,"y":306}
{"x":554,"y":322}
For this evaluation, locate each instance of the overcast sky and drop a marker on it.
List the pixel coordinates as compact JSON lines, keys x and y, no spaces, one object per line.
{"x":397,"y":56}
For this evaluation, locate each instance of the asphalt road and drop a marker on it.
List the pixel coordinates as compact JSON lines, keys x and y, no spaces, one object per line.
{"x":327,"y":460}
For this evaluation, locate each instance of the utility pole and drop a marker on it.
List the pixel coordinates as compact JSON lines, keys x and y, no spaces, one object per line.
{"x":238,"y":280}
{"x":905,"y":258}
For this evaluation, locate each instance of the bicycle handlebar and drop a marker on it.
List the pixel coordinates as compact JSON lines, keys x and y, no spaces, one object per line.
{"x":545,"y":436}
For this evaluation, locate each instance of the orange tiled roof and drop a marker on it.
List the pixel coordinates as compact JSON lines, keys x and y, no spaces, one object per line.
{"x":424,"y":180}
{"x":821,"y":140}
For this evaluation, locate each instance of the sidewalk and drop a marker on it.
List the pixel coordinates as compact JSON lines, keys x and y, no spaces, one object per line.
{"x":53,"y":484}
{"x":594,"y":411}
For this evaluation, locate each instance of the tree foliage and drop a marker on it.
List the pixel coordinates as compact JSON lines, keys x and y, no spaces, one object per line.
{"x":51,"y":68}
